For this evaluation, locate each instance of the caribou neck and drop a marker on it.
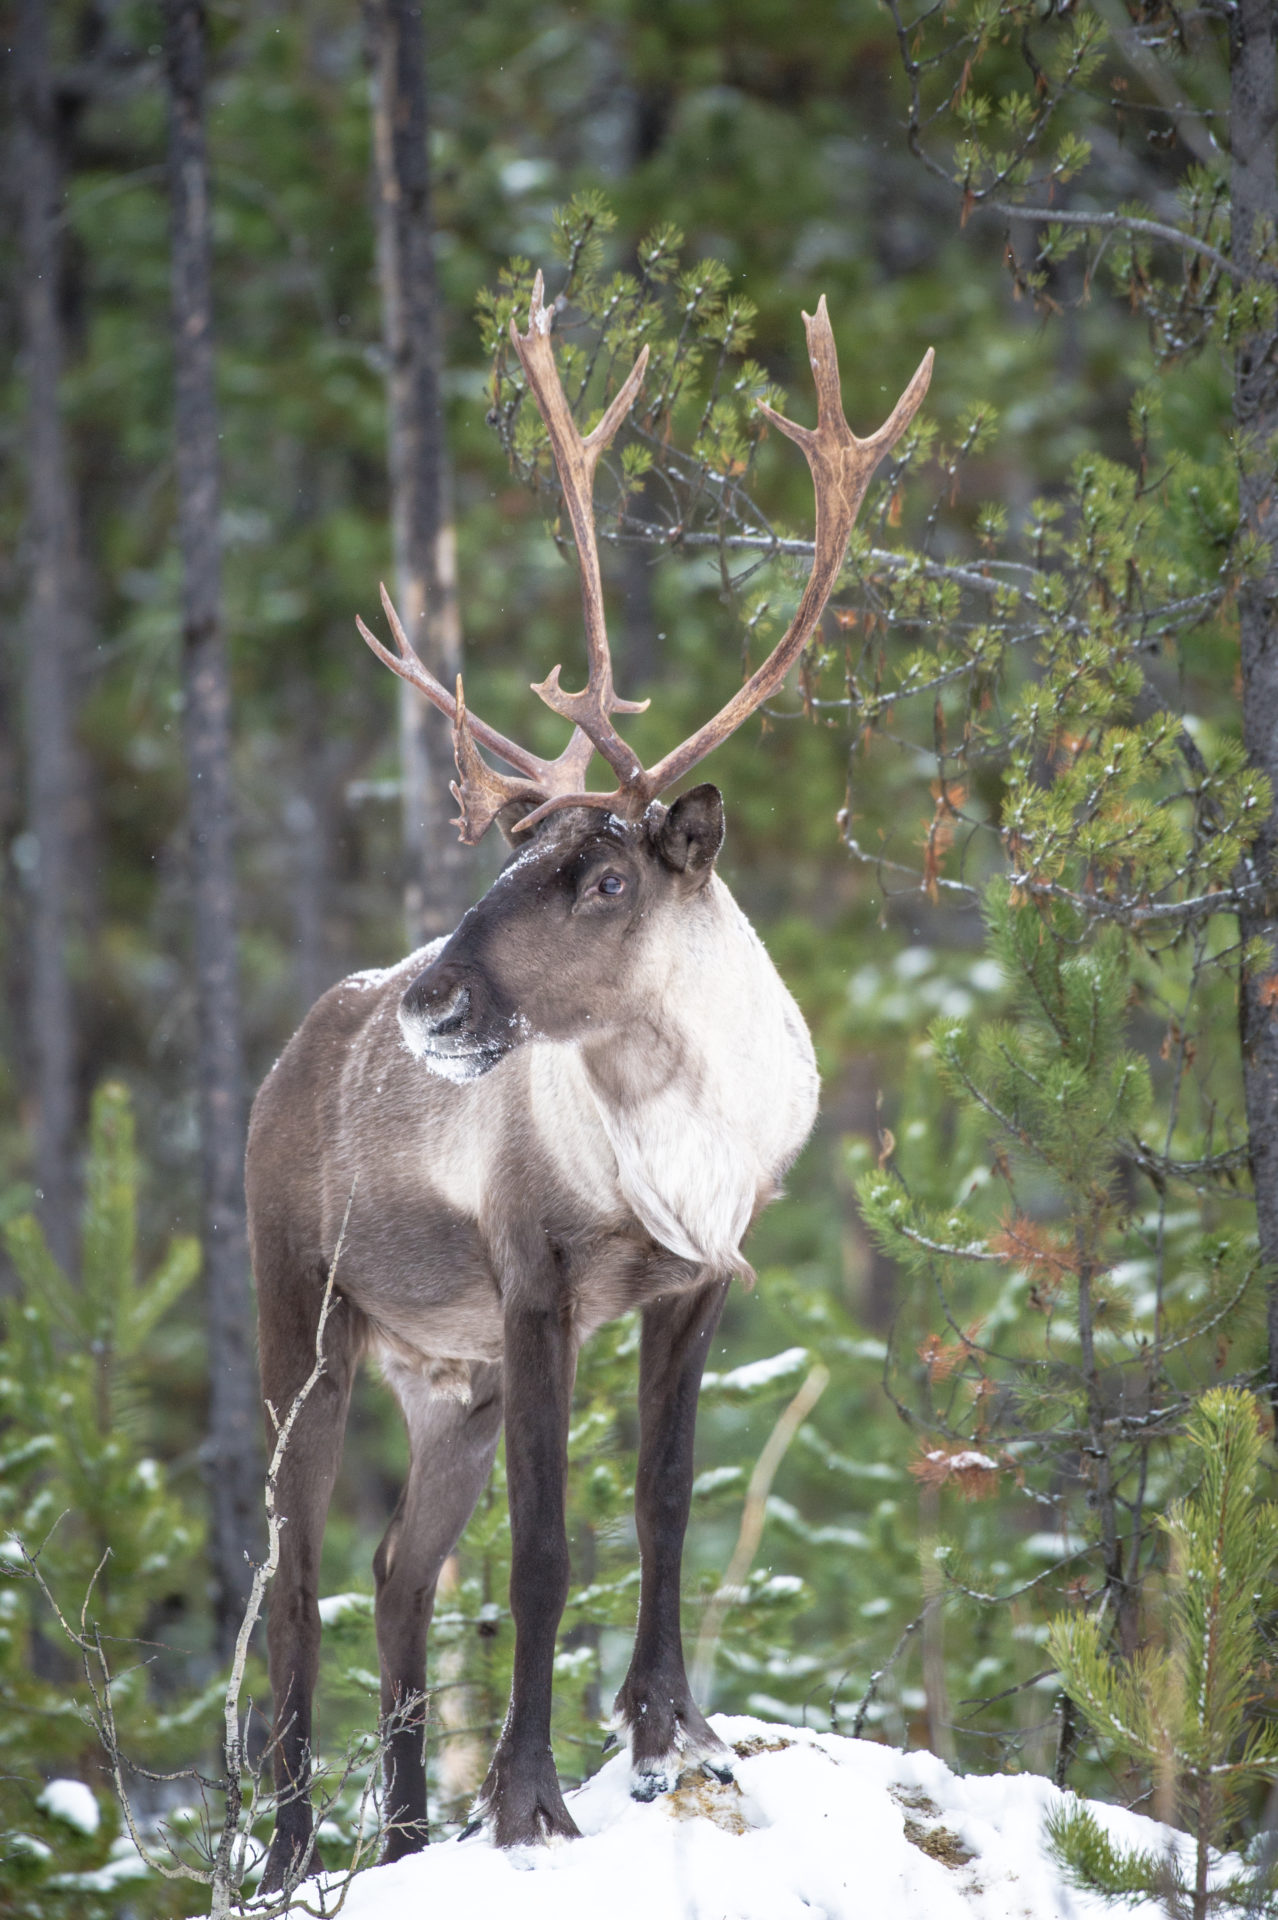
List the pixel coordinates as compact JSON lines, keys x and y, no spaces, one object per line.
{"x":707,"y":1100}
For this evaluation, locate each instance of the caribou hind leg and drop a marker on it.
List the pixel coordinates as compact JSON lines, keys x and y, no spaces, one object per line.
{"x":667,"y":1730}
{"x":288,"y":1317}
{"x":452,"y":1446}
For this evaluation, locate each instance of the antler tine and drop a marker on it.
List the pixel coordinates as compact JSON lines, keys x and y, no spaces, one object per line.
{"x":842,"y":467}
{"x":479,"y":790}
{"x":410,"y":667}
{"x":575,"y":460}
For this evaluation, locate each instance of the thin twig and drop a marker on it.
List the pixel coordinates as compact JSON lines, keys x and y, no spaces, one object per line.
{"x":229,"y":1865}
{"x":753,"y":1514}
{"x":867,"y":1698}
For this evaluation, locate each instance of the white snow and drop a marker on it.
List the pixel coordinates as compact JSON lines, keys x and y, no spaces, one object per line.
{"x":817,"y":1824}
{"x":964,"y":1460}
{"x":460,"y":1068}
{"x":123,"y":1864}
{"x":336,"y":1609}
{"x":71,"y":1802}
{"x":368,"y":979}
{"x":757,"y":1374}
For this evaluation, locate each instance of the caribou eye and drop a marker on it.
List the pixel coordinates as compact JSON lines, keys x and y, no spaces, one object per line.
{"x":612,"y":883}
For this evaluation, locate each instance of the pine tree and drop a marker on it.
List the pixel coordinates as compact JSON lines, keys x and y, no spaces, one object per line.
{"x":81,"y":1495}
{"x":1184,"y":1710}
{"x":1072,"y":1207}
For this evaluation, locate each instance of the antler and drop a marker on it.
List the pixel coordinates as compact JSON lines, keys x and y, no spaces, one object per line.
{"x":576,"y":460}
{"x":480,"y":791}
{"x":842,"y":467}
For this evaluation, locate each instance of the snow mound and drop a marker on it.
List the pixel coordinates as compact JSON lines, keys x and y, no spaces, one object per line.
{"x":817,"y":1824}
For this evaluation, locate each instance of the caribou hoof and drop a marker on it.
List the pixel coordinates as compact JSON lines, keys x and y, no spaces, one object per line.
{"x":521,"y":1804}
{"x":649,"y":1782}
{"x":654,"y":1778}
{"x":670,"y":1738}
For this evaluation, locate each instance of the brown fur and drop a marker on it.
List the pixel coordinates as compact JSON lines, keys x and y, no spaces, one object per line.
{"x":496,"y":1218}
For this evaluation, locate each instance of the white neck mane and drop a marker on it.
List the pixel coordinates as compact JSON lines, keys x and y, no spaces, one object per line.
{"x":706,"y":1108}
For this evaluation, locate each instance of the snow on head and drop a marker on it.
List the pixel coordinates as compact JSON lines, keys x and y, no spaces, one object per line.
{"x":71,"y":1802}
{"x":371,"y":978}
{"x":815,"y":1824}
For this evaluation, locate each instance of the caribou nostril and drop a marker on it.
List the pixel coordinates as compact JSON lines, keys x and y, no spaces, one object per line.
{"x":452,"y":1015}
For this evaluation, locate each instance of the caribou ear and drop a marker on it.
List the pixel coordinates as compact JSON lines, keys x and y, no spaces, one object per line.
{"x":690,"y":836}
{"x":509,"y":818}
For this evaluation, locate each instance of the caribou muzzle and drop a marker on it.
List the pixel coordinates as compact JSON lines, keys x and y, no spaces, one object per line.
{"x":448,"y":1024}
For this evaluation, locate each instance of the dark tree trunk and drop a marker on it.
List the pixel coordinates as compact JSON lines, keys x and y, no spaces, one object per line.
{"x":234,"y":1466}
{"x":437,"y":877}
{"x":313,"y":818}
{"x":51,"y":612}
{"x":1254,"y":190}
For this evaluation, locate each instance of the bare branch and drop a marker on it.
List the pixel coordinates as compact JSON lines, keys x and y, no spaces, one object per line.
{"x":732,"y":1587}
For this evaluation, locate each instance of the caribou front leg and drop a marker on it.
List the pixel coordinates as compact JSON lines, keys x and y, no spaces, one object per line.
{"x":521,"y":1797}
{"x":668,"y":1731}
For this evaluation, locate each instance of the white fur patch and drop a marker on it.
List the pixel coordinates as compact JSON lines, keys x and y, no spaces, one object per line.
{"x":410,"y":1374}
{"x":699,"y":1152}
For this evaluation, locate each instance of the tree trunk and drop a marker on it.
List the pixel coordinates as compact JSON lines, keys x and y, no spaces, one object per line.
{"x":234,"y":1465}
{"x":437,"y":876}
{"x":1254,"y":189}
{"x":51,"y":611}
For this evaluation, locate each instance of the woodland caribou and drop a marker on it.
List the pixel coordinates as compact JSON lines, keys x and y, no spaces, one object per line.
{"x":574,"y":1105}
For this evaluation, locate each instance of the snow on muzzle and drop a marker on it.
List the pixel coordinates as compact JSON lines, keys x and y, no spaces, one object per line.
{"x":441,"y":1028}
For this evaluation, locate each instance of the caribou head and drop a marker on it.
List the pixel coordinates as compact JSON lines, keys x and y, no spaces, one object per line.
{"x":566,"y":942}
{"x":545,"y":953}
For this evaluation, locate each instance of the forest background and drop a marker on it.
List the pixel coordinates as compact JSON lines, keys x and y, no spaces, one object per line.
{"x":998,"y":838}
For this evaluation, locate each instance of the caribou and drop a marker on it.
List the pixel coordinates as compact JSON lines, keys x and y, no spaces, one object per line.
{"x":572,"y":1107}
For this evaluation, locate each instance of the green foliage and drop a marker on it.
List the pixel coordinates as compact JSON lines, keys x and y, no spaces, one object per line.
{"x":1094,"y":1862}
{"x":695,"y":326}
{"x":1185,"y":1709}
{"x":1096,"y":1300}
{"x":82,"y":1493}
{"x":1065,"y":1201}
{"x":1026,"y":599}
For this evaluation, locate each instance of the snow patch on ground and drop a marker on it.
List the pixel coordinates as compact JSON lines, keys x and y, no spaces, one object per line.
{"x":816,"y":1824}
